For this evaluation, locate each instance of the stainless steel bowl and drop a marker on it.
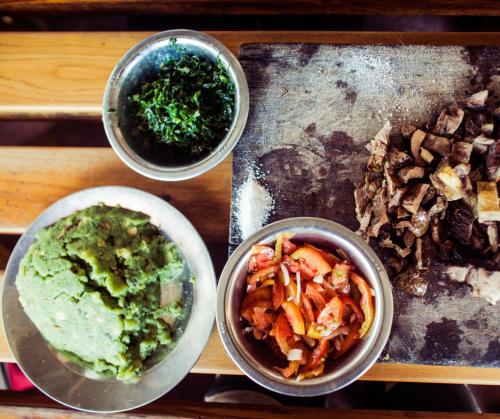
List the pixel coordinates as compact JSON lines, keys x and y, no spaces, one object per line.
{"x":82,"y":389}
{"x":139,"y":64}
{"x":254,"y":358}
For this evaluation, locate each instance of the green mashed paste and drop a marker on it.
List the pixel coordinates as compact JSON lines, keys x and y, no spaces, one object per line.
{"x":91,"y":284}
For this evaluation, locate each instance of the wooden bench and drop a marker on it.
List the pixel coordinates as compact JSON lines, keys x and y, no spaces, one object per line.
{"x":62,"y":75}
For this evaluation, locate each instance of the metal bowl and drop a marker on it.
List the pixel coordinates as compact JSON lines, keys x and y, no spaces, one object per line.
{"x":254,"y":358}
{"x":81,"y":389}
{"x":138,"y":65}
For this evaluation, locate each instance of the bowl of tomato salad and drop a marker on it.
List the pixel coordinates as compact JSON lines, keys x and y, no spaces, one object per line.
{"x":304,"y":306}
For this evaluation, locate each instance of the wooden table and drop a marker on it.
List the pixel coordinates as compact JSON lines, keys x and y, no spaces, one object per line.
{"x":62,"y":75}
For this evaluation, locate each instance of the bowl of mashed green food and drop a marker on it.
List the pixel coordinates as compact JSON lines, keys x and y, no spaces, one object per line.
{"x":108,"y":299}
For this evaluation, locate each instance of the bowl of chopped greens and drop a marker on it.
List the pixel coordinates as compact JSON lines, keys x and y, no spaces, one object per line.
{"x":175,"y":105}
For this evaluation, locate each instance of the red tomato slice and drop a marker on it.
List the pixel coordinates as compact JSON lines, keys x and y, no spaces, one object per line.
{"x":331,"y":315}
{"x":260,"y":275}
{"x":306,"y":309}
{"x":261,"y":257}
{"x":288,"y":246}
{"x":262,"y":293}
{"x":366,"y":303}
{"x":348,"y":301}
{"x":318,"y":355}
{"x":294,"y":317}
{"x":313,"y":291}
{"x":291,"y":289}
{"x":248,"y":312}
{"x":282,"y":331}
{"x":313,"y":259}
{"x":330,"y":258}
{"x":262,"y":318}
{"x":349,"y":340}
{"x":292,"y":369}
{"x":278,"y":293}
{"x":290,"y":264}
{"x":340,"y":277}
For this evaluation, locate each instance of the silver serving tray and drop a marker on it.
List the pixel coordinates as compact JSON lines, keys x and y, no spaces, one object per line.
{"x":81,"y":389}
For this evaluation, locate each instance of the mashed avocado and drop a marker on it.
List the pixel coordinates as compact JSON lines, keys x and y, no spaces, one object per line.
{"x":91,"y":284}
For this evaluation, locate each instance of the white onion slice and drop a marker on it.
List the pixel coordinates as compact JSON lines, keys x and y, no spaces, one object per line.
{"x":286,"y":275}
{"x":294,"y":355}
{"x":318,"y":279}
{"x":297,"y":275}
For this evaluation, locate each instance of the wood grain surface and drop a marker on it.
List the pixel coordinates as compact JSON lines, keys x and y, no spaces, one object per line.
{"x":32,"y":178}
{"x":72,"y":68}
{"x":14,"y":406}
{"x":255,"y":7}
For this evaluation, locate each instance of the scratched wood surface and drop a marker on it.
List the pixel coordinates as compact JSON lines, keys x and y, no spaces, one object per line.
{"x":313,"y":109}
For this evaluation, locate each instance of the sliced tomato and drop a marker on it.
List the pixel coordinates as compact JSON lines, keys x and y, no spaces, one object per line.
{"x":348,"y":301}
{"x":318,"y":331}
{"x":306,"y":309}
{"x":366,"y":302}
{"x":331,"y":315}
{"x":313,"y":259}
{"x":340,"y":277}
{"x":290,"y":264}
{"x":262,"y":293}
{"x":330,"y":258}
{"x":294,"y":317}
{"x":330,"y":291}
{"x":292,"y":369}
{"x":267,"y":283}
{"x":288,"y":246}
{"x":261,"y":275}
{"x":278,"y":293}
{"x":261,"y":257}
{"x":263,"y":318}
{"x":349,"y":340}
{"x":318,"y":355}
{"x":282,"y":331}
{"x":314,"y":292}
{"x":291,"y":289}
{"x":305,"y":271}
{"x":248,"y":312}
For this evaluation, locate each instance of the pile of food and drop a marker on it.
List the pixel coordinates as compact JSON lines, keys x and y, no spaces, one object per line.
{"x":188,"y":105}
{"x":94,"y":285}
{"x":306,"y":303}
{"x":431,"y":194}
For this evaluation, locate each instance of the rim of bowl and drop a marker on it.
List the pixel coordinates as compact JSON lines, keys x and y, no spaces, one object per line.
{"x":117,"y":140}
{"x":376,"y":338}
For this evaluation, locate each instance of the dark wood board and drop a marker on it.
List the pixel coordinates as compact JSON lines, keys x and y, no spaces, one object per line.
{"x":313,"y":109}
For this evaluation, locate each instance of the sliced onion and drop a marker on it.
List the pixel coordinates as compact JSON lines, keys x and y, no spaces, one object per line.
{"x":286,"y":275}
{"x":318,"y":279}
{"x":248,"y":330}
{"x":294,"y":355}
{"x":310,"y":341}
{"x":297,"y":275}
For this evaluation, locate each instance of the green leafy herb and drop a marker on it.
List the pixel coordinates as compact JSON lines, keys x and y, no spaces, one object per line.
{"x":189,"y":104}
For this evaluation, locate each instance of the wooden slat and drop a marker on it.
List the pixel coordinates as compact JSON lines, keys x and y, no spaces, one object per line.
{"x":256,"y":7}
{"x":19,"y":405}
{"x":32,"y":178}
{"x":64,"y":74}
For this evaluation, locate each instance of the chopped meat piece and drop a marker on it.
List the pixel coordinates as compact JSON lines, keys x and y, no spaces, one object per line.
{"x":487,"y":202}
{"x":392,"y":181}
{"x":417,"y":139}
{"x":447,"y":183}
{"x":397,"y":197}
{"x":411,"y":172}
{"x":449,"y":120}
{"x":418,"y":253}
{"x":485,"y":284}
{"x":460,"y":220}
{"x":412,"y":282}
{"x":440,"y":145}
{"x":493,"y":161}
{"x":402,"y":213}
{"x":482,"y":143}
{"x":397,"y":159}
{"x":378,"y":149}
{"x":420,"y":222}
{"x":407,"y":131}
{"x":477,"y":100}
{"x":438,"y":207}
{"x":414,"y":196}
{"x":436,"y":234}
{"x":429,"y":195}
{"x":492,"y":231}
{"x":409,"y":238}
{"x":460,"y":152}
{"x":426,"y":155}
{"x":379,"y":213}
{"x":387,"y":243}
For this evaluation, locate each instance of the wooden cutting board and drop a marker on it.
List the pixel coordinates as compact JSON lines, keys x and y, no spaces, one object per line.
{"x":313,"y":109}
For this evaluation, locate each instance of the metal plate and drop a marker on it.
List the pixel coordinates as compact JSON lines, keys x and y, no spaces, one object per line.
{"x":77,"y":389}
